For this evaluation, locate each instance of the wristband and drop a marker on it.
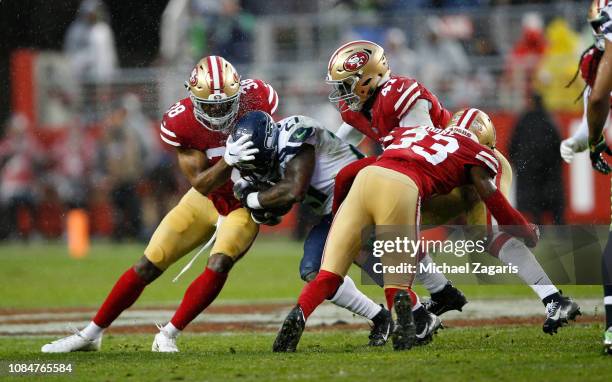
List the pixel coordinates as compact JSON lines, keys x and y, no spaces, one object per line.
{"x":252,"y":201}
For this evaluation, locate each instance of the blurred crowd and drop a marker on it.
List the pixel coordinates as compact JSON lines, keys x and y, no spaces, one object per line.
{"x":115,"y":169}
{"x":107,"y":157}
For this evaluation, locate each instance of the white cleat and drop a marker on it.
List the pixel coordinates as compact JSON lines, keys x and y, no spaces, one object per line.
{"x":75,"y":342}
{"x":163,"y":343}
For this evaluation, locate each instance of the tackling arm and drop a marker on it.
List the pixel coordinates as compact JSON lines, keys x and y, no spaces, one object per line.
{"x":292,"y":188}
{"x":509,"y":218}
{"x":598,"y":104}
{"x":195,"y":167}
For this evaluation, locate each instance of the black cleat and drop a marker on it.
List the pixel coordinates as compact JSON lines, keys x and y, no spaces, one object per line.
{"x":427,"y":324}
{"x":289,"y":334}
{"x":404,"y":329}
{"x":449,"y":298}
{"x":381,"y":328}
{"x":559,"y":312}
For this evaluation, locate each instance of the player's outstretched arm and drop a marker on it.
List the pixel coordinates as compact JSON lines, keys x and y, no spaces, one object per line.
{"x":292,"y":188}
{"x":598,"y":104}
{"x":195,"y":167}
{"x":597,"y":111}
{"x":509,"y":218}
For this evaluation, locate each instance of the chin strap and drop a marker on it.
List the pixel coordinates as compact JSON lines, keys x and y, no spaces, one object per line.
{"x":204,"y":247}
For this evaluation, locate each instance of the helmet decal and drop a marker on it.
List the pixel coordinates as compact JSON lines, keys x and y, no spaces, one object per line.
{"x":356,"y":61}
{"x":193,"y":78}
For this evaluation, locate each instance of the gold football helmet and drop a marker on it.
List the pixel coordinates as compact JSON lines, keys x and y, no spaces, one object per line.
{"x":595,"y":19}
{"x":478,"y":122}
{"x":356,"y":70}
{"x":214,"y":90}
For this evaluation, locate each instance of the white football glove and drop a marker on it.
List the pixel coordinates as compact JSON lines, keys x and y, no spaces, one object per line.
{"x":569,"y":148}
{"x":239,"y":151}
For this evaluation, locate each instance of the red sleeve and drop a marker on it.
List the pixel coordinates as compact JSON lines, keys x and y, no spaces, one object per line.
{"x":267,"y":98}
{"x":345,"y":178}
{"x":359,"y":122}
{"x":170,"y":128}
{"x":403,"y":93}
{"x":399,"y":95}
{"x":509,"y":219}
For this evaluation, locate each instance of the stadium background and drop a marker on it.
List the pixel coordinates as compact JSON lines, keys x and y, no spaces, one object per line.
{"x":491,"y":54}
{"x":79,"y":138}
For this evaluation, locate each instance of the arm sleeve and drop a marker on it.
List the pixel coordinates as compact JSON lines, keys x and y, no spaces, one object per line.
{"x":349,"y":134}
{"x":581,"y":135}
{"x":509,"y":219}
{"x":418,"y":115}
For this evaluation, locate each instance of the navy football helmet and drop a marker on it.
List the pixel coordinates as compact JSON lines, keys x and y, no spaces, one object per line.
{"x":264,"y":135}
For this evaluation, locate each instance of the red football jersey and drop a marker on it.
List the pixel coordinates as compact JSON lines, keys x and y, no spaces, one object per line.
{"x":392,"y":102}
{"x":435,"y":159}
{"x":179,"y":128}
{"x":589,"y":64}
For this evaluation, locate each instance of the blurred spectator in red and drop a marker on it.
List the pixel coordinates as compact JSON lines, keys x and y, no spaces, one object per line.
{"x":523,"y":61}
{"x":89,"y":43}
{"x":72,"y":156}
{"x":20,"y":155}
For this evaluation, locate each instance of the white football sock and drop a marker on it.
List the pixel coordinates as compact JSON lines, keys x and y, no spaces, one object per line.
{"x":418,"y":303}
{"x":170,"y":330}
{"x":92,"y":331}
{"x":515,"y":252}
{"x":432,"y":281}
{"x":351,"y":298}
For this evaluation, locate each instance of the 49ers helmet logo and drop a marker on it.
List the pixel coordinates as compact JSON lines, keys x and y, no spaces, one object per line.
{"x":193,"y":78}
{"x":355,"y":61}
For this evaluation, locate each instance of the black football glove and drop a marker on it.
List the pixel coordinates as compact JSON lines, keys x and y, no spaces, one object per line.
{"x":264,"y":217}
{"x":598,"y":161}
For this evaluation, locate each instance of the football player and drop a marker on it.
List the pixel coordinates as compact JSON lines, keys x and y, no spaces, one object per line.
{"x":298,"y":161}
{"x":417,"y":163}
{"x":372,"y":102}
{"x":197,"y":128}
{"x":587,"y":69}
{"x":464,"y":201}
{"x":598,"y":108}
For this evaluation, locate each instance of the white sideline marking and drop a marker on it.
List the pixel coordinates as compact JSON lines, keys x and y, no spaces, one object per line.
{"x":327,"y":314}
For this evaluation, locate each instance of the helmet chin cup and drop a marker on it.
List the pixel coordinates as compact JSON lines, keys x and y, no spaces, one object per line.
{"x":217,"y":124}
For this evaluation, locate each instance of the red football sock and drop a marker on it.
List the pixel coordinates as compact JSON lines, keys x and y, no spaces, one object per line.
{"x":390,"y":294}
{"x":125,"y":292}
{"x":324,"y":286}
{"x":201,"y":293}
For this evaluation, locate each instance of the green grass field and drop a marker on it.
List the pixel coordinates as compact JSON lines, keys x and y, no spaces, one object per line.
{"x":43,"y":276}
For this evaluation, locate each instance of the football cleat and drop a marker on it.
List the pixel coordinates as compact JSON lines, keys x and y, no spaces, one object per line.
{"x":558,"y":313}
{"x":163,"y":342}
{"x":404,"y":329}
{"x":75,"y":342}
{"x":289,"y":334}
{"x":607,"y":342}
{"x":427,"y":324}
{"x":449,"y":298}
{"x":381,"y":328}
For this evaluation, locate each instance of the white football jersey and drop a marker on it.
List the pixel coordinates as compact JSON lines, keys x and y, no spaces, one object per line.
{"x":331,"y":155}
